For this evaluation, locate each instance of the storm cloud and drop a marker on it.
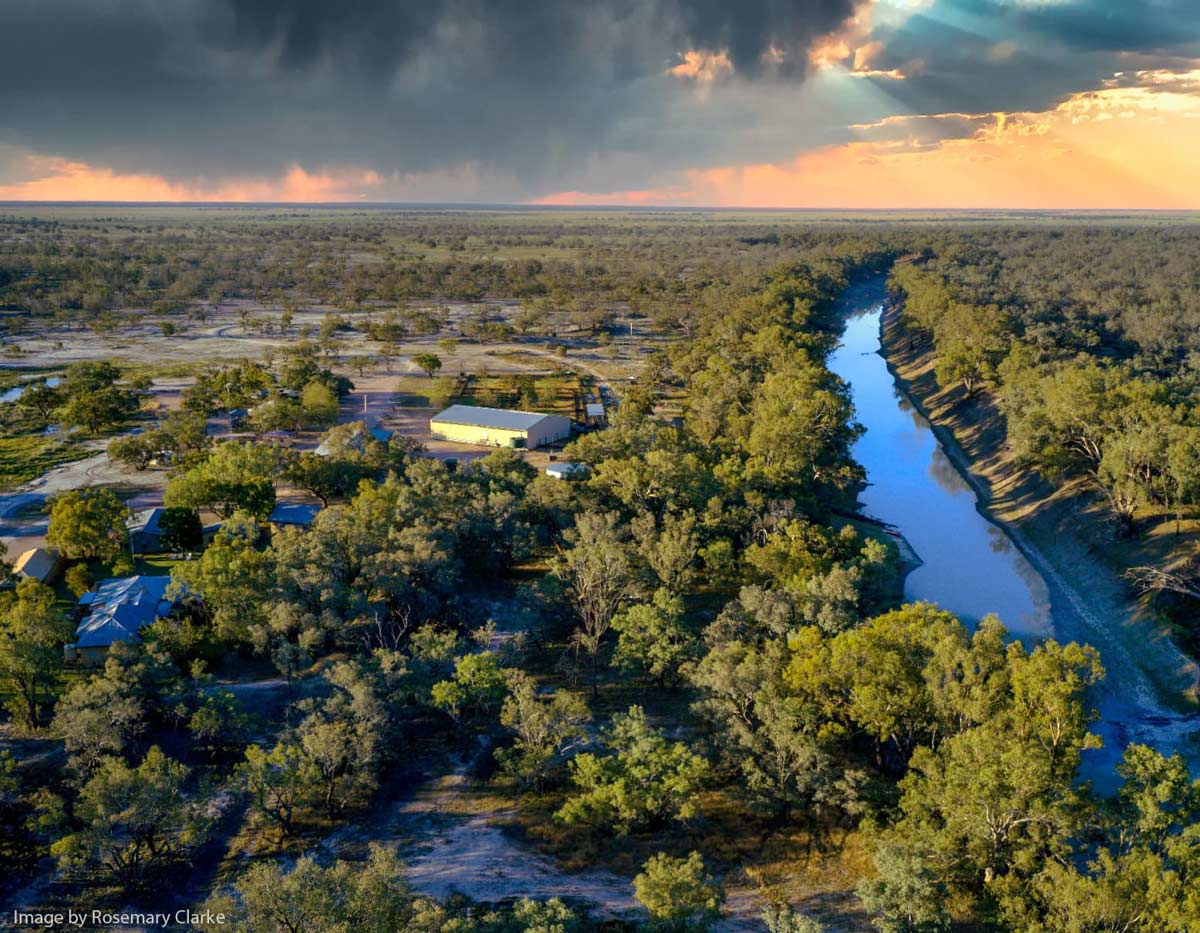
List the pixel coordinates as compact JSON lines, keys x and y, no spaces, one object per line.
{"x":529,"y":87}
{"x":523,"y":97}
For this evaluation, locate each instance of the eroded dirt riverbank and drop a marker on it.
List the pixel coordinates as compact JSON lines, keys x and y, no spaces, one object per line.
{"x":1151,"y":687}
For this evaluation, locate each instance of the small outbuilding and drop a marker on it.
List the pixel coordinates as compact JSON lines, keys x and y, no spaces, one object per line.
{"x":146,"y":532}
{"x":38,"y":563}
{"x":499,"y":427}
{"x":567,"y":470}
{"x":117,"y":610}
{"x":293,"y":514}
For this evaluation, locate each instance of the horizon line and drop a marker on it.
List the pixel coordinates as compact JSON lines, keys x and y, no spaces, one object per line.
{"x":504,"y":205}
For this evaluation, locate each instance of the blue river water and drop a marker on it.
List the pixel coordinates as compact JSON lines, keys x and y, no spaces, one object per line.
{"x":972,"y":567}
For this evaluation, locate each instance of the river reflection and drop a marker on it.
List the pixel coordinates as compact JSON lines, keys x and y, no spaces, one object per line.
{"x":914,"y":486}
{"x":971,"y":566}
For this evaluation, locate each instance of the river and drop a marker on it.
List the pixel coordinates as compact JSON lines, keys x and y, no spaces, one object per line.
{"x":972,"y":566}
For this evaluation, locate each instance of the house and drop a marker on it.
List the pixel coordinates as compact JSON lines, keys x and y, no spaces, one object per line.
{"x":297,"y":514}
{"x":117,"y":610}
{"x":499,"y":427}
{"x":38,"y":563}
{"x":153,"y":531}
{"x":145,"y":531}
{"x":595,"y":412}
{"x":566,"y":470}
{"x":233,"y":420}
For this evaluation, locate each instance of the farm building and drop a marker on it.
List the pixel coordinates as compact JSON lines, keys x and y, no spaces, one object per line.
{"x":117,"y":610}
{"x":38,"y":563}
{"x":499,"y":427}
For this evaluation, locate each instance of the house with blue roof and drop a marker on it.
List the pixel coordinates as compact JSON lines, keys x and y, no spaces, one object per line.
{"x":117,"y":610}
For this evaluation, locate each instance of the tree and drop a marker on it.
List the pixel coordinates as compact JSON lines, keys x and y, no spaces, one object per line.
{"x":232,"y":577}
{"x":428,"y":363}
{"x":217,"y":722}
{"x":32,"y":634}
{"x":41,"y":398}
{"x":234,"y":477}
{"x":544,"y":729}
{"x":275,"y":782}
{"x":140,"y":450}
{"x":78,"y":579}
{"x":476,"y":688}
{"x":180,"y":530}
{"x":320,"y":404}
{"x":671,"y":552}
{"x":653,"y":638}
{"x":329,"y":476}
{"x":1144,"y":875}
{"x":133,"y":821}
{"x":92,"y":398}
{"x":97,"y":718}
{"x":905,"y":895}
{"x":335,"y":763}
{"x":188,"y":430}
{"x":598,"y":575}
{"x":970,"y":342}
{"x":678,"y":893}
{"x":88,"y":524}
{"x":370,"y":896}
{"x":644,"y":780}
{"x":800,"y":433}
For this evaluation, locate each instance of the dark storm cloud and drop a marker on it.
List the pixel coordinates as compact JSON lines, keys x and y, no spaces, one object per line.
{"x":538,"y":94}
{"x":525,"y":87}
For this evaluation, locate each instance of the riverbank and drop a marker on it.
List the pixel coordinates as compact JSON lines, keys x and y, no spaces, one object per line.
{"x":1063,"y":531}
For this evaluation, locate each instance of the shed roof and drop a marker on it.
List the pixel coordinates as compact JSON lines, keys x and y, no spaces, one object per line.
{"x":566,"y":468}
{"x":146,"y":521}
{"x":294,"y":513}
{"x":38,"y":563}
{"x":120,"y":608}
{"x":503,"y":418}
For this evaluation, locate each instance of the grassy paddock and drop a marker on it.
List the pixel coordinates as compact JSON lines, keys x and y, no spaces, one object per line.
{"x":26,"y":458}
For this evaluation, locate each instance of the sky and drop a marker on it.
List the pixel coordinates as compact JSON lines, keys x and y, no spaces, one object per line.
{"x":1052,"y":104}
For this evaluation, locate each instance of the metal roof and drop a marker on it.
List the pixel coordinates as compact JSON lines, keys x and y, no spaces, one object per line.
{"x":146,"y":521}
{"x":503,"y":418}
{"x":294,"y":513}
{"x":566,"y":468}
{"x":38,"y":563}
{"x":121,"y":607}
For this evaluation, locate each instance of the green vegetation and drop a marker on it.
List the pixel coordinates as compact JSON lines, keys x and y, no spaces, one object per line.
{"x":686,"y":672}
{"x":25,"y":458}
